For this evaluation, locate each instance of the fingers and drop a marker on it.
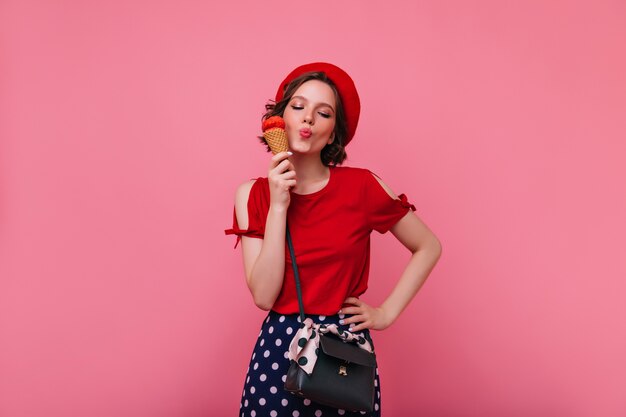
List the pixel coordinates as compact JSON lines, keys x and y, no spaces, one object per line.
{"x":356,"y":306}
{"x":353,"y":300}
{"x":357,"y":318}
{"x":360,"y":327}
{"x":351,"y":310}
{"x":282,"y":172}
{"x":362,"y":316}
{"x":282,"y":176}
{"x":278,"y":158}
{"x":359,"y":314}
{"x":288,"y":175}
{"x":282,"y":166}
{"x":358,"y":323}
{"x":288,"y":185}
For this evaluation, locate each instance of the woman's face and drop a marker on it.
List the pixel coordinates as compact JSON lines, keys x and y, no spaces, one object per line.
{"x":310,"y":117}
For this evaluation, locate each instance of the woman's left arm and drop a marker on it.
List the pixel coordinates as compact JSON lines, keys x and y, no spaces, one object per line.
{"x":425,"y":249}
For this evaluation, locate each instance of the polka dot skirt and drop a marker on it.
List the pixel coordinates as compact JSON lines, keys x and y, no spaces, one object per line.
{"x":264,"y":394}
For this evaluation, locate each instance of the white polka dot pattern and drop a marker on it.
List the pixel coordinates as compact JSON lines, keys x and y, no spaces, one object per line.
{"x":264,"y":394}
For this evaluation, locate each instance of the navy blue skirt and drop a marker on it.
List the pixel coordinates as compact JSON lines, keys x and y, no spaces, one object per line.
{"x":264,"y":394}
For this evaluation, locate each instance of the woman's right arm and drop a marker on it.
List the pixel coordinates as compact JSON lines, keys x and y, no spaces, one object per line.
{"x":264,"y":259}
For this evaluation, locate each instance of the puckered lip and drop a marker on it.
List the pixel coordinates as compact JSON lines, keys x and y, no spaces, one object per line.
{"x":306,"y":132}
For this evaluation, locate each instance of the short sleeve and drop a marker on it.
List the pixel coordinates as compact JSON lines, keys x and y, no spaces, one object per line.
{"x":382,"y":211}
{"x":257,"y":214}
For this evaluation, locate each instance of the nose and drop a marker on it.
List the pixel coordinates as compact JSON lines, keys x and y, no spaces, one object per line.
{"x":308,"y":118}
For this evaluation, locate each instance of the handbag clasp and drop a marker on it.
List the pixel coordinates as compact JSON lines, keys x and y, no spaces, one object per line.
{"x":343,"y":371}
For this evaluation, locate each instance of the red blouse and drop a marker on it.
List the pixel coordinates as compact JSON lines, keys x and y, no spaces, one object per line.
{"x":331,"y":236}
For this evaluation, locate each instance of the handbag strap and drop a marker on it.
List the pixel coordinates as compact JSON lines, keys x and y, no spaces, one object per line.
{"x":299,"y":289}
{"x":295,"y":274}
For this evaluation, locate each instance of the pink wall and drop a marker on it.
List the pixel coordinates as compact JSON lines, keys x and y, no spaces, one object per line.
{"x":126,"y":126}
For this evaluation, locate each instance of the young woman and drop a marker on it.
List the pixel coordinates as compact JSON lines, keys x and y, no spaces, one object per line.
{"x":331,"y":211}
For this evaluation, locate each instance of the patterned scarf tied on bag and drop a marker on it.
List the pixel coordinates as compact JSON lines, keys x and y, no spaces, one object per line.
{"x":305,"y":343}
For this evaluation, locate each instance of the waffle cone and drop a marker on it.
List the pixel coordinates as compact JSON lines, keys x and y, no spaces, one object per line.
{"x":276,"y":138}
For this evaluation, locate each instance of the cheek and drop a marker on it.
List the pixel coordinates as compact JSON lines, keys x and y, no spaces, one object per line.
{"x":330,"y":126}
{"x":289,"y":123}
{"x":289,"y":116}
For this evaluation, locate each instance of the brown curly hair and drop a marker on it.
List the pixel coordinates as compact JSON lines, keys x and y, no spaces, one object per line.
{"x":334,"y":153}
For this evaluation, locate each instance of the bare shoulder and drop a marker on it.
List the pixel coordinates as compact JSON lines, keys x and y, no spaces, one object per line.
{"x":385,"y":187}
{"x":243,"y":191}
{"x":241,"y":203}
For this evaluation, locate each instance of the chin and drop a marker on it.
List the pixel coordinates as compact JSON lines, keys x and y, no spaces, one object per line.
{"x":299,"y":147}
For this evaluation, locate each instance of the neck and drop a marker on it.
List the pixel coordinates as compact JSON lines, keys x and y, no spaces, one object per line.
{"x":310,"y":172}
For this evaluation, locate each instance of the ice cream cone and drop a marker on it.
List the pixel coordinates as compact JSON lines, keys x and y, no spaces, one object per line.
{"x":275,"y":135}
{"x":276,"y":138}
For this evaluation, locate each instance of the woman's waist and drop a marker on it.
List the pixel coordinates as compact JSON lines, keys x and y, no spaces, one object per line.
{"x":294,"y":318}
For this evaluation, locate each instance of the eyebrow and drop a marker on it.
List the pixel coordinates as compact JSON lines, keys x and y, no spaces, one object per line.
{"x":320,"y":104}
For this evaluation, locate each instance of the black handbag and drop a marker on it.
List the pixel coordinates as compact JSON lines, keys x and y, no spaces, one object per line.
{"x":344,"y":373}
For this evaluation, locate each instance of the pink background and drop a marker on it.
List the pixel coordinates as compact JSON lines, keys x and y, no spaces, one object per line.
{"x":125,"y":128}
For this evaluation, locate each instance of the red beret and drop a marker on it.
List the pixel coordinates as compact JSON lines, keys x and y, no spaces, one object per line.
{"x":345,"y":88}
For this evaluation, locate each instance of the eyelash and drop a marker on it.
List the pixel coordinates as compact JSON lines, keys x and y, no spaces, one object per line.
{"x":324,"y":115}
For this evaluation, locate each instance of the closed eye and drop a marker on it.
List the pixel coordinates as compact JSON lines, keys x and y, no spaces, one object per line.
{"x":324,"y":115}
{"x":297,"y":107}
